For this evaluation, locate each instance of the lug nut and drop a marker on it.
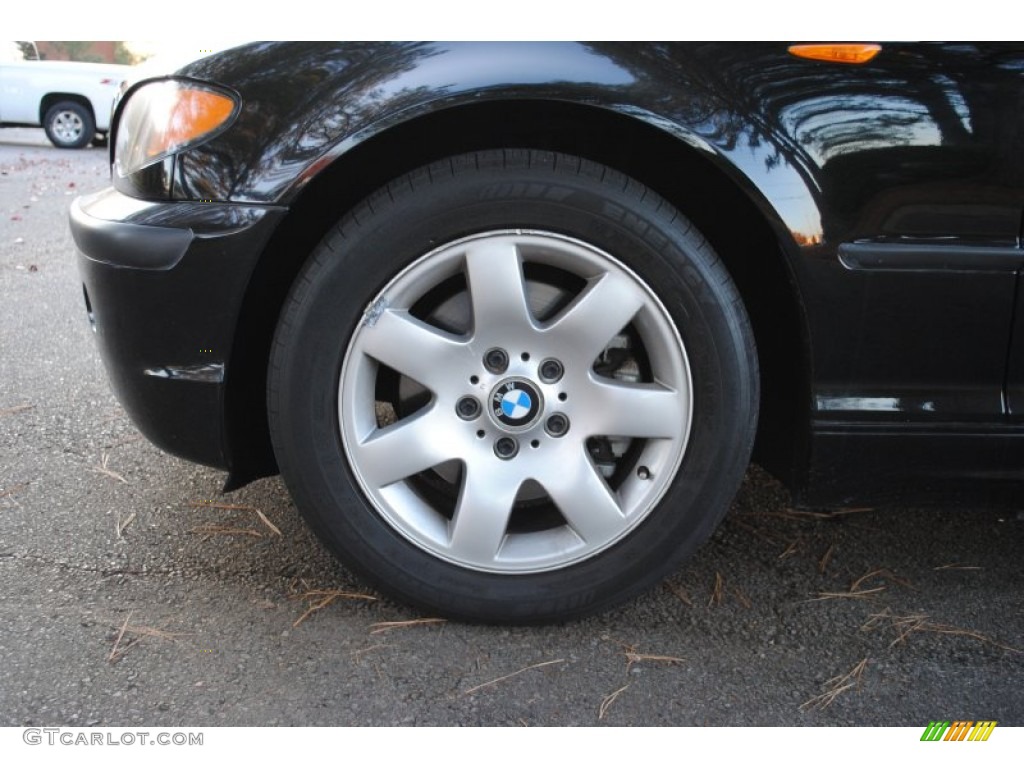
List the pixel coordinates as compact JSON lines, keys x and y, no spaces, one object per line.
{"x":505,"y":447}
{"x":496,"y":360}
{"x":468,"y":408}
{"x":550,"y":371}
{"x":557,"y":424}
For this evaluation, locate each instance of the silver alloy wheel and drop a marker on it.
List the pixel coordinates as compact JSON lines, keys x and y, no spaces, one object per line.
{"x":67,"y":126}
{"x":474,"y":531}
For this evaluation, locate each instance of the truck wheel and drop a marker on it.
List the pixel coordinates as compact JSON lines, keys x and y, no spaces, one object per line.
{"x":69,"y":125}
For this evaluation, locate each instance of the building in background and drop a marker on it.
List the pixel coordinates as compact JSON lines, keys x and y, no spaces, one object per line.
{"x":106,"y":51}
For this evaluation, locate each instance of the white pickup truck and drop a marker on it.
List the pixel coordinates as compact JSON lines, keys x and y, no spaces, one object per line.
{"x":71,"y":100}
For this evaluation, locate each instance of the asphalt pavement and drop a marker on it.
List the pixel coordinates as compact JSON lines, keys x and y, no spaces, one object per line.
{"x":132,"y":592}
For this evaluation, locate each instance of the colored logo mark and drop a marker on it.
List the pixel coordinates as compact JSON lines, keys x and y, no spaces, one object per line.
{"x":516,"y":404}
{"x":958,"y":730}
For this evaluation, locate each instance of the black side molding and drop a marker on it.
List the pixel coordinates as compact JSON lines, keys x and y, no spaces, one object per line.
{"x":920,"y":257}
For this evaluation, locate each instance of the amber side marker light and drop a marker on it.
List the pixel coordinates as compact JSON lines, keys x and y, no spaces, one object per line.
{"x":838,"y":53}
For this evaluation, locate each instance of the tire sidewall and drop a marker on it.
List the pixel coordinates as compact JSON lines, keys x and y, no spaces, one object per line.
{"x":447,"y":202}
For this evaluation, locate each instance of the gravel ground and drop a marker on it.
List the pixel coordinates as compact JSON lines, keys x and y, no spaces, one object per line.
{"x":125,"y":601}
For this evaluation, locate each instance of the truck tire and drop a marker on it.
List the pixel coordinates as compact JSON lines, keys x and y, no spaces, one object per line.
{"x":69,"y":125}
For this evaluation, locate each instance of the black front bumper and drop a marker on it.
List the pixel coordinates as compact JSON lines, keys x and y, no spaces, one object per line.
{"x":164,"y":284}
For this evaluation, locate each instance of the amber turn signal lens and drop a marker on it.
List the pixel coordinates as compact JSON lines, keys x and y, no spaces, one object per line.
{"x":194,"y":113}
{"x":839,"y":53}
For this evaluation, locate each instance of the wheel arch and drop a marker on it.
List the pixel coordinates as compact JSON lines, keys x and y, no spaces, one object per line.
{"x":50,"y":99}
{"x":753,"y":244}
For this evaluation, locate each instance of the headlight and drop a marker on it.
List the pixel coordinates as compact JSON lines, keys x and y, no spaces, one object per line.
{"x":161,"y":118}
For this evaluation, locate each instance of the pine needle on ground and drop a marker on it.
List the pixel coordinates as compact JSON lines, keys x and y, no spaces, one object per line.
{"x":135,"y":634}
{"x":387,"y":626}
{"x":16,"y":409}
{"x":608,"y":700}
{"x":321,"y":598}
{"x":905,"y":626}
{"x":836,"y":686}
{"x":679,"y":591}
{"x":102,"y":469}
{"x":635,"y":657}
{"x":241,"y":508}
{"x":503,"y":678}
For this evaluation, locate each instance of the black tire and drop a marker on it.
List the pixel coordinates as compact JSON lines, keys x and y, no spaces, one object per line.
{"x":388,"y":296}
{"x":69,"y":125}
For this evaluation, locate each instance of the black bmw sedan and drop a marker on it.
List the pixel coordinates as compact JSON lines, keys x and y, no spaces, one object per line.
{"x":511,"y":319}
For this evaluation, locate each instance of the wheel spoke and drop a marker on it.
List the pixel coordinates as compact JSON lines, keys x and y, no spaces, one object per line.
{"x":496,"y":287}
{"x":481,"y":516}
{"x":403,"y":449}
{"x":585,"y":500}
{"x":603,"y":309}
{"x":636,"y":410}
{"x":412,"y":347}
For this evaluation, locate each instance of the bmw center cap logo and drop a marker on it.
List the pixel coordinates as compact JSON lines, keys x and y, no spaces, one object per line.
{"x":515,"y":403}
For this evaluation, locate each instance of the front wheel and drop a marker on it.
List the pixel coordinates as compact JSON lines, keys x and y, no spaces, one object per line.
{"x":513,"y":386}
{"x":69,"y":125}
